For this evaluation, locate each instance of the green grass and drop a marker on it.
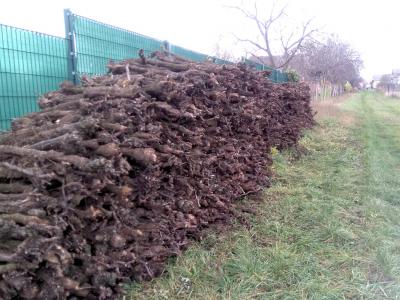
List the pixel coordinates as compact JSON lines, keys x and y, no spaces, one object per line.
{"x":329,"y":227}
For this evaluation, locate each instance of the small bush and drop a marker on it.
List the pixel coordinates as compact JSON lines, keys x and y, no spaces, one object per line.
{"x":348,"y":87}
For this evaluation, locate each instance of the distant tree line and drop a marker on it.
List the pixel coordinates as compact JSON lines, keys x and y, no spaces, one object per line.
{"x":331,"y":60}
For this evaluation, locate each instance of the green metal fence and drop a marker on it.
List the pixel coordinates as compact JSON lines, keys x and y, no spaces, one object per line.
{"x":31,"y":64}
{"x":96,"y":43}
{"x":220,"y":61}
{"x":276,"y":76}
{"x":196,"y":56}
{"x":189,"y":54}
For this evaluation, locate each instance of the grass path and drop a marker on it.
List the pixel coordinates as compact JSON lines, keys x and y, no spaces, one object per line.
{"x":329,"y":227}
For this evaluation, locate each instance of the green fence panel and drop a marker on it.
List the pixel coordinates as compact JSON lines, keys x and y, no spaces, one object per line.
{"x":31,"y":64}
{"x":196,"y":56}
{"x":276,"y":76}
{"x":96,"y":43}
{"x":189,"y":54}
{"x":220,"y":61}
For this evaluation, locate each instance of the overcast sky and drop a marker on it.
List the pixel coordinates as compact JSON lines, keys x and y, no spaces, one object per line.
{"x":371,"y":27}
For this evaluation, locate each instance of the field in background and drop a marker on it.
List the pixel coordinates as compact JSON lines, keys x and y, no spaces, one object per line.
{"x":328,"y":228}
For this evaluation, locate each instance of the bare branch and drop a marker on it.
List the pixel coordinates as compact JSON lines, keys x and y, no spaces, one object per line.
{"x":289,"y":48}
{"x":254,"y":56}
{"x":294,"y":51}
{"x":272,"y":19}
{"x":253,"y":43}
{"x":304,"y":34}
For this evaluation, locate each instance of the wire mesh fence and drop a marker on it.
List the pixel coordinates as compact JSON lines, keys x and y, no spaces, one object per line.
{"x":189,"y":54}
{"x":97,"y":43}
{"x":32,"y":63}
{"x":276,"y":76}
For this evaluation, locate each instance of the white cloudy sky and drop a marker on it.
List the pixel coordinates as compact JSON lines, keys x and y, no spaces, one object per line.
{"x":371,"y":27}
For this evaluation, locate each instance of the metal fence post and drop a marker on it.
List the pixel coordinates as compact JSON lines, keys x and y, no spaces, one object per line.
{"x":167,"y":46}
{"x":71,"y":54}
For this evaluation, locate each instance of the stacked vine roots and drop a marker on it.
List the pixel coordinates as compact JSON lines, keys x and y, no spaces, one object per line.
{"x":116,"y":175}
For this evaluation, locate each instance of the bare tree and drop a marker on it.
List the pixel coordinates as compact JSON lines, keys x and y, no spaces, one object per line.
{"x":270,"y":28}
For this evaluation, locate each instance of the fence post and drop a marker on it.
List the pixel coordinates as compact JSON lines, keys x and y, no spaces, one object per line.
{"x":167,"y":46}
{"x":70,"y":37}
